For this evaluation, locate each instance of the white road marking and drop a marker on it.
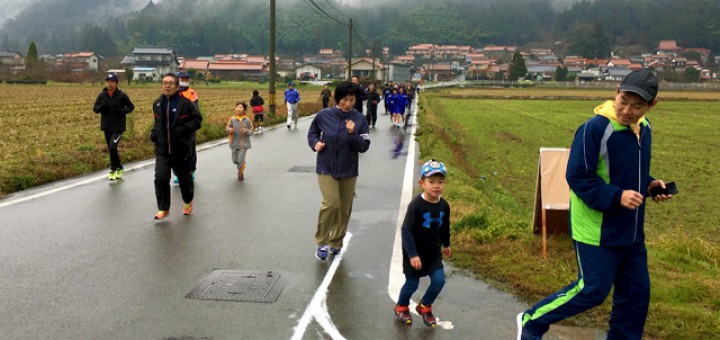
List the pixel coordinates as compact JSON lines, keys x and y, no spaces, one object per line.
{"x":397,"y":278}
{"x":317,"y":308}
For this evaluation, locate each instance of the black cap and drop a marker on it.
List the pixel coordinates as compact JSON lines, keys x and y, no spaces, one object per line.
{"x":112,"y":76}
{"x":642,"y":82}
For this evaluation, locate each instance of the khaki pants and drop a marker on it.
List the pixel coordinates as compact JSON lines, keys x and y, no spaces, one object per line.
{"x":338,"y":195}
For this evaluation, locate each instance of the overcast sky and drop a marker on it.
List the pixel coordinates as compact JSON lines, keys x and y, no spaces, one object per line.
{"x":11,"y":7}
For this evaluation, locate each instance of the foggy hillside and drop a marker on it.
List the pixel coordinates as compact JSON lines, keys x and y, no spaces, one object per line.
{"x":23,"y":20}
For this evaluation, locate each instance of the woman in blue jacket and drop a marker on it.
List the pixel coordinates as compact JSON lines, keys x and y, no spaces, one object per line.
{"x":337,"y":134}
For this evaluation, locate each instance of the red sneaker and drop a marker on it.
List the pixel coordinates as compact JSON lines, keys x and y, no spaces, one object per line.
{"x":402,"y":314}
{"x":187,"y":209}
{"x":426,"y":312}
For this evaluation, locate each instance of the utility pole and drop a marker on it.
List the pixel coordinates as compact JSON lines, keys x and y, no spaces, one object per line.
{"x":374,"y":75}
{"x":272,"y":58}
{"x":350,"y":52}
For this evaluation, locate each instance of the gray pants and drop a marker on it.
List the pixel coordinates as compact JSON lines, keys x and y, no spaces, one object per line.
{"x":238,"y":157}
{"x":334,"y":216}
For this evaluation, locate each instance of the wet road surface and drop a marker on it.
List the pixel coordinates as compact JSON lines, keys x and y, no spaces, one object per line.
{"x":84,"y":259}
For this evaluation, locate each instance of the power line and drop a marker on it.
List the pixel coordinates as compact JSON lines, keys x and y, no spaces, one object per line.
{"x":313,"y":4}
{"x":337,"y":10}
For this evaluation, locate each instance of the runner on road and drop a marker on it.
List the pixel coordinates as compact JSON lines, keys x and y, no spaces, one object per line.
{"x":176,"y":120}
{"x":256,"y":103}
{"x":239,"y":129}
{"x":337,"y":134}
{"x":609,"y":177}
{"x":292,"y":98}
{"x":190,"y":94}
{"x":113,"y":105}
{"x":425,"y":229}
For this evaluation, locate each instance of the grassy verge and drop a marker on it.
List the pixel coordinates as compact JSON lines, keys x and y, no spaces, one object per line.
{"x":50,"y":132}
{"x":491,"y":147}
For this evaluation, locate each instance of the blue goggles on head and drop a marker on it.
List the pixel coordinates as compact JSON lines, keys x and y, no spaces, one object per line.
{"x":432,"y":167}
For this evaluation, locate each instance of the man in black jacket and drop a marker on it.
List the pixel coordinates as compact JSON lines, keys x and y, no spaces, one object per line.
{"x":372,"y":104}
{"x":360,"y":96}
{"x":112,"y":105}
{"x":176,"y":120}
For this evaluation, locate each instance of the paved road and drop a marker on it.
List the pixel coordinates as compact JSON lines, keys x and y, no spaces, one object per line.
{"x":83,"y":258}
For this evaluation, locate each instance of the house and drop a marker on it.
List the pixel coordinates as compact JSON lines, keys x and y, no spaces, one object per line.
{"x":424,"y":51}
{"x":497,"y":52}
{"x":615,"y":73}
{"x":237,"y":70}
{"x":308,"y":71}
{"x":200,"y":66}
{"x":703,"y":52}
{"x":397,"y":72}
{"x":13,"y":60}
{"x":161,"y":60}
{"x":542,"y":71}
{"x":79,"y":61}
{"x":705,"y":74}
{"x":619,"y":63}
{"x":405,"y":59}
{"x":364,"y":68}
{"x":668,"y":50}
{"x":679,"y":63}
{"x":439,"y":71}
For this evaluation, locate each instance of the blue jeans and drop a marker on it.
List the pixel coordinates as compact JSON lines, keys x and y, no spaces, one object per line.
{"x":437,"y":281}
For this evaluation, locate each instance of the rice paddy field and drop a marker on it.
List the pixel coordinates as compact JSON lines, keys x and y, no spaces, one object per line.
{"x":49,"y":132}
{"x":490,"y":140}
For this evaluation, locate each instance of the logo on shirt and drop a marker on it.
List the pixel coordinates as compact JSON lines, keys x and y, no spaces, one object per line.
{"x":429,"y":219}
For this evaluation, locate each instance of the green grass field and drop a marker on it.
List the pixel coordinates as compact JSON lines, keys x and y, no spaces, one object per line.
{"x":491,"y":147}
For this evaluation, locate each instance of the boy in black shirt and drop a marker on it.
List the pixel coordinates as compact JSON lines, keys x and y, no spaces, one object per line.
{"x":425,"y":229}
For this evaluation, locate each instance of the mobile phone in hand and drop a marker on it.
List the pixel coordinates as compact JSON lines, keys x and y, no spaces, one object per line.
{"x":670,"y":189}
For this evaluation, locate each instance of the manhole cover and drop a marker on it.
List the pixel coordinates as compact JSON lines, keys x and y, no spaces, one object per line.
{"x":302,"y":169}
{"x":243,"y":286}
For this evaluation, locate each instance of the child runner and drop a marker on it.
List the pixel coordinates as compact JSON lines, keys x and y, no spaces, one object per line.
{"x":239,"y":129}
{"x":401,"y":101}
{"x":425,"y":229}
{"x":257,"y":102}
{"x":390,"y":101}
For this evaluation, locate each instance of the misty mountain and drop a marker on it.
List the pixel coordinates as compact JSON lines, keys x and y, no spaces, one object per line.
{"x":196,"y":28}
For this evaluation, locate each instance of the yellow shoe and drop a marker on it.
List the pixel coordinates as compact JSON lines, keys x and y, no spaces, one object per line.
{"x":187,"y":209}
{"x":161,"y":214}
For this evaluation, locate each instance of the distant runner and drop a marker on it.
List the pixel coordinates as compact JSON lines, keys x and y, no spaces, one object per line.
{"x":113,"y":105}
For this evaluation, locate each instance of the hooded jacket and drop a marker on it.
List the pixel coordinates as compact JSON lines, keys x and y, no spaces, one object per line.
{"x":176,"y":120}
{"x":606,"y":158}
{"x":112,"y":110}
{"x":339,"y":158}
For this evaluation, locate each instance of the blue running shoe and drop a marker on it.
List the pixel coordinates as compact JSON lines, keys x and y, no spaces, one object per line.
{"x":335,"y":251}
{"x":321,"y":253}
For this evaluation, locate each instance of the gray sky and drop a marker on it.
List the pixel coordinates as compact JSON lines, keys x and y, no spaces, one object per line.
{"x":9,"y":8}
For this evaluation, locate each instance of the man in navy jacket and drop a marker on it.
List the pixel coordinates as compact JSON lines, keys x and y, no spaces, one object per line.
{"x":609,"y":177}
